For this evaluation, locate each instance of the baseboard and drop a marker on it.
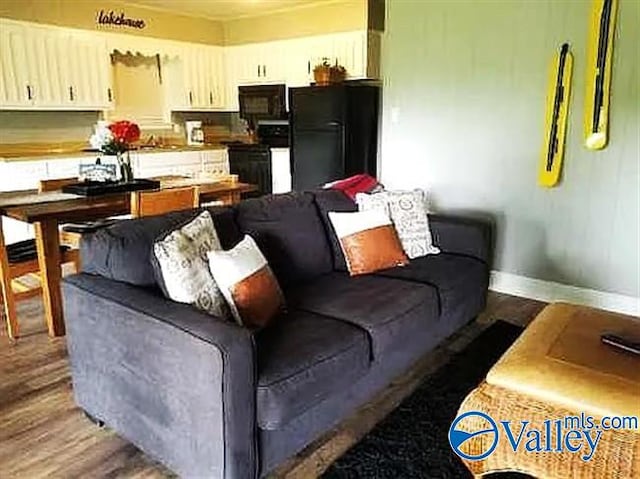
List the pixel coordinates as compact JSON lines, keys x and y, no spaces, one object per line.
{"x":549,"y":291}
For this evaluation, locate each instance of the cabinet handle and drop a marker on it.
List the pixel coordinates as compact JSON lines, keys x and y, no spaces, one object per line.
{"x":264,"y":70}
{"x":71,"y":93}
{"x":258,"y":70}
{"x":29,"y":95}
{"x":190,"y":98}
{"x":109,"y":95}
{"x":210,"y":98}
{"x":309,"y":67}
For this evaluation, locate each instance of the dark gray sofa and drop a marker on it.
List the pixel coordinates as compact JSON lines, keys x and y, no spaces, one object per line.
{"x":208,"y":398}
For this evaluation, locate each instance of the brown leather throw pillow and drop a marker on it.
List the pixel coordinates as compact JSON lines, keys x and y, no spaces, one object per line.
{"x":368,"y":240}
{"x":247,"y":283}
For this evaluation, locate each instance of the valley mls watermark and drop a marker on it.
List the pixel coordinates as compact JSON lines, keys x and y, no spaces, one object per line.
{"x":575,"y":434}
{"x":119,"y":20}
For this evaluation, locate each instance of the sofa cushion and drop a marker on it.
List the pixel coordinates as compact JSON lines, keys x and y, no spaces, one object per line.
{"x":334,"y":200}
{"x":461,"y":282}
{"x":289,"y":232}
{"x":122,"y":251}
{"x":302,"y":359}
{"x":384,"y":307}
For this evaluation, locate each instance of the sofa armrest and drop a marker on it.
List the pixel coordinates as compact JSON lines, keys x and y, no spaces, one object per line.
{"x":462,"y":235}
{"x":176,"y":382}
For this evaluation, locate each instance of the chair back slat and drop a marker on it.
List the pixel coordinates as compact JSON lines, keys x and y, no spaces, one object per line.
{"x":55,"y":185}
{"x":150,"y":203}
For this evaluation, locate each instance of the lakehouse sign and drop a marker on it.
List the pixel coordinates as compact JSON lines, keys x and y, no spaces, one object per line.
{"x":119,"y":20}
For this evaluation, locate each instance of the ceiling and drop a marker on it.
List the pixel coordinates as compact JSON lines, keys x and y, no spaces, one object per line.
{"x":224,"y":9}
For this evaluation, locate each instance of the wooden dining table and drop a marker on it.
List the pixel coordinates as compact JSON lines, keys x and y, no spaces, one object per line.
{"x":47,"y":211}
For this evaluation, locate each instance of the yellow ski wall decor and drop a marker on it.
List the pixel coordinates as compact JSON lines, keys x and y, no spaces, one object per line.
{"x":556,"y":117}
{"x":598,"y":79}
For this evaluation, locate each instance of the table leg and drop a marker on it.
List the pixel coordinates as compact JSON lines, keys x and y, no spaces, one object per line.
{"x":230,"y":198}
{"x":48,"y":244}
{"x":8,"y":300}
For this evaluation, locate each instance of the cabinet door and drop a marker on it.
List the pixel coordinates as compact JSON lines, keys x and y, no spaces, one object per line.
{"x":203,"y":79}
{"x":319,"y":49}
{"x":17,"y":85}
{"x":249,"y":64}
{"x":231,"y":79}
{"x":186,"y":163}
{"x":215,"y":162}
{"x":298,"y":67}
{"x":210,"y":72}
{"x":350,"y":51}
{"x":174,"y":77}
{"x":65,"y":167}
{"x":217,"y":77}
{"x":84,"y":74}
{"x":152,"y":164}
{"x":273,"y":60}
{"x":194,"y":77}
{"x":50,"y":48}
{"x":91,"y":82}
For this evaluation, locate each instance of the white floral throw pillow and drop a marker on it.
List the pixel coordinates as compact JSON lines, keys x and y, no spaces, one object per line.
{"x":408,"y":211}
{"x":184,"y":275}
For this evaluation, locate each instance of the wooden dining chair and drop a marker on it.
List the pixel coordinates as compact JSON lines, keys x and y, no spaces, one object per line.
{"x":19,"y":278}
{"x":158,"y":202}
{"x":67,"y":238}
{"x":19,"y":267}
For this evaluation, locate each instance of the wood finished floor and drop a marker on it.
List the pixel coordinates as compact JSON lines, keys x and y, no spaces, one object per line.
{"x":43,"y":434}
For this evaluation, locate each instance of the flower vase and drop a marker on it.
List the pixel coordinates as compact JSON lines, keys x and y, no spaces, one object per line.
{"x":126,"y":172}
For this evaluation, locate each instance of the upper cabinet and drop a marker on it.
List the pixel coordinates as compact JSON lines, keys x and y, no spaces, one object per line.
{"x":292,"y":61}
{"x":52,"y":68}
{"x":196,"y":79}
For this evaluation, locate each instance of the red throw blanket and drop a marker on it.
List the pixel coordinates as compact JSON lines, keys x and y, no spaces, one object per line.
{"x":355,"y":184}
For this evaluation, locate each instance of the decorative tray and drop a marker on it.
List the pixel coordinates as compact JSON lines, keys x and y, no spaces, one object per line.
{"x":95,"y":188}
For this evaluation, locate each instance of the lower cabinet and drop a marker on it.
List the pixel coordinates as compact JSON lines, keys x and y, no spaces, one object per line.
{"x":186,"y":163}
{"x":17,"y":176}
{"x":25,"y":175}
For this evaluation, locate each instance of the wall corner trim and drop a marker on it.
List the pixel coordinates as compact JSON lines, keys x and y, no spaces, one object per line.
{"x":549,"y":291}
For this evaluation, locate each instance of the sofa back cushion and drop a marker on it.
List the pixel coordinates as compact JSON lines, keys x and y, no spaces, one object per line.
{"x":290,"y":234}
{"x":334,"y":200}
{"x":122,"y":251}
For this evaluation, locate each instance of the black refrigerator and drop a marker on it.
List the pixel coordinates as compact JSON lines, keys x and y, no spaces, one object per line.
{"x":334,"y":133}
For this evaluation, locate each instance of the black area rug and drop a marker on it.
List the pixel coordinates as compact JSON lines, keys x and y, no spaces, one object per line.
{"x":412,"y":441}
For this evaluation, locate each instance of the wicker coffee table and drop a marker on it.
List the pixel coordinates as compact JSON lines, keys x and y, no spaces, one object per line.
{"x":558,"y":369}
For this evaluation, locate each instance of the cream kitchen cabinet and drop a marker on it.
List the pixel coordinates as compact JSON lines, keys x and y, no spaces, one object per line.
{"x":215,"y":162}
{"x":50,"y":68}
{"x":147,"y":165}
{"x":254,"y":64}
{"x":358,"y":52}
{"x":196,"y":79}
{"x":19,"y":81}
{"x":16,"y":176}
{"x":292,"y":61}
{"x":258,"y":63}
{"x":88,"y":77}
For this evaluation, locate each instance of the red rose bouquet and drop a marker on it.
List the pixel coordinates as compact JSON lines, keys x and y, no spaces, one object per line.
{"x":117,"y":139}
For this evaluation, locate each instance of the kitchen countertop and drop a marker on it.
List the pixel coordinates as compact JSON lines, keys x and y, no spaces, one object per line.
{"x":51,"y":151}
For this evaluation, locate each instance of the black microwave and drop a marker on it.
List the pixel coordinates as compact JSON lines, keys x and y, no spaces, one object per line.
{"x":262,"y":102}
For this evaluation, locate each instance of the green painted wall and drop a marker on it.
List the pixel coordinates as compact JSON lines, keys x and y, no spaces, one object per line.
{"x":463,"y":116}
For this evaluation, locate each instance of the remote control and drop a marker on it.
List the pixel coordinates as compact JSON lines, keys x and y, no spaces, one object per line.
{"x":621,"y":343}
